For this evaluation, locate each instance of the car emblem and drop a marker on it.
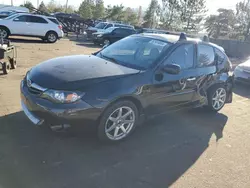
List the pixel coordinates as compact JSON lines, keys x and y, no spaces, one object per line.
{"x":29,"y":83}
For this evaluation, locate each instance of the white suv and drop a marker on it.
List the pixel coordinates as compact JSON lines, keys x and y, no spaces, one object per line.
{"x":44,"y":27}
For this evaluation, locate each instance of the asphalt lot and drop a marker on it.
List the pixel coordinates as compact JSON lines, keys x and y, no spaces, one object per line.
{"x":184,"y":149}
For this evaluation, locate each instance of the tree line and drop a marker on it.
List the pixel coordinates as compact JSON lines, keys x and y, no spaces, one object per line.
{"x":190,"y":16}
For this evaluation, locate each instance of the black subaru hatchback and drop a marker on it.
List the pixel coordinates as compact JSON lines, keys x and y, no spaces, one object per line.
{"x":138,"y":76}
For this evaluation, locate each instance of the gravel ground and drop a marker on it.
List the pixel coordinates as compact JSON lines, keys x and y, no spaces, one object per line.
{"x":185,"y":149}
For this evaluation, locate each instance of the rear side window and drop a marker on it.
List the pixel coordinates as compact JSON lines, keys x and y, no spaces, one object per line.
{"x":108,"y":26}
{"x":182,"y":56}
{"x":36,"y":19}
{"x":206,"y":55}
{"x":219,"y":56}
{"x":121,"y":31}
{"x":54,"y":21}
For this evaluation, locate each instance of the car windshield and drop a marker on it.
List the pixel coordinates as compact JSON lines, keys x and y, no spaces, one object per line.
{"x":12,"y":15}
{"x":135,"y":52}
{"x":100,"y":25}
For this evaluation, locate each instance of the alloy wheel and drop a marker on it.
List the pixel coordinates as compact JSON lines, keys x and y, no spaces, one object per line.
{"x":120,"y":123}
{"x":219,"y":98}
{"x":52,"y":37}
{"x":106,"y":42}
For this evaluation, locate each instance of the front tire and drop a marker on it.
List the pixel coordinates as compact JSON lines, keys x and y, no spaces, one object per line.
{"x":4,"y":33}
{"x":51,"y":37}
{"x":106,"y":42}
{"x":217,"y":96}
{"x":118,"y":122}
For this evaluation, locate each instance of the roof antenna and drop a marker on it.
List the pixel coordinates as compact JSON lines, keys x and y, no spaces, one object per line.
{"x":183,"y":37}
{"x":205,"y":38}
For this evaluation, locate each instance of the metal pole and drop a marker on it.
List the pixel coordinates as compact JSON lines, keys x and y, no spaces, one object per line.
{"x":11,"y":2}
{"x":66,"y":7}
{"x":37,"y":4}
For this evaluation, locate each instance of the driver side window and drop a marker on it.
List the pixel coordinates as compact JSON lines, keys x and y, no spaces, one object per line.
{"x":182,"y":56}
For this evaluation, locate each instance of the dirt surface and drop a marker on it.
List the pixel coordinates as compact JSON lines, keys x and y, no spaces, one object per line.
{"x":185,"y":149}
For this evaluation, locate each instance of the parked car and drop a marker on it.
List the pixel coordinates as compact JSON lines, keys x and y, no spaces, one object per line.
{"x":102,"y":26}
{"x":242,"y":72}
{"x":44,"y":27}
{"x":112,"y":35}
{"x":136,"y":77}
{"x":5,"y":14}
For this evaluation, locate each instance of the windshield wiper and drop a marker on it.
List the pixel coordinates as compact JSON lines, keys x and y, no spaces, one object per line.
{"x":109,"y":58}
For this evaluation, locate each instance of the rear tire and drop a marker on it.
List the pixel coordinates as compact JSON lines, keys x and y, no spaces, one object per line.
{"x":217,"y":96}
{"x":13,"y":64}
{"x":118,"y":122}
{"x":51,"y":37}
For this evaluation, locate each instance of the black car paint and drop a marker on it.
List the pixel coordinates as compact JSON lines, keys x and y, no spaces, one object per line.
{"x":77,"y":72}
{"x":153,"y":91}
{"x":111,"y":36}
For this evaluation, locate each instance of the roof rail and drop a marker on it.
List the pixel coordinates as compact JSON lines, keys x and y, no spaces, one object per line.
{"x":205,"y":38}
{"x":183,"y":37}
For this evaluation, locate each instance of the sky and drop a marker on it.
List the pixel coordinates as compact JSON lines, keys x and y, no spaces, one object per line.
{"x":212,"y":5}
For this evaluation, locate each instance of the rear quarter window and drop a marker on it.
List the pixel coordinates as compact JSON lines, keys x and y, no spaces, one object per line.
{"x":54,"y":21}
{"x":219,"y":56}
{"x":206,"y":56}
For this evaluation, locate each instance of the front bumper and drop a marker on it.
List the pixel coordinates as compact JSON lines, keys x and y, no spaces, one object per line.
{"x":97,"y":40}
{"x":39,"y":110}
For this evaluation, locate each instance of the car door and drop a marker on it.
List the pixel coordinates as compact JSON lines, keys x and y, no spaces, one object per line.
{"x":38,"y":26}
{"x":205,"y":67}
{"x":20,"y":25}
{"x":174,"y":91}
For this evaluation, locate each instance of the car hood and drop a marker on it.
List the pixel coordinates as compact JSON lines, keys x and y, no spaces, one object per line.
{"x":76,"y":72}
{"x":245,"y":65}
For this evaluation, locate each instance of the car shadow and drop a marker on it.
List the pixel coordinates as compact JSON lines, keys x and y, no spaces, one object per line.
{"x":156,"y":155}
{"x":82,"y":41}
{"x":21,"y":40}
{"x":242,"y":89}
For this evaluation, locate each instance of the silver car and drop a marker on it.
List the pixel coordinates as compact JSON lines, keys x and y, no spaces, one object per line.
{"x":242,"y":72}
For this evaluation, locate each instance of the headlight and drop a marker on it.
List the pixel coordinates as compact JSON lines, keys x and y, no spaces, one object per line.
{"x":238,"y":68}
{"x":62,"y":96}
{"x":99,"y":35}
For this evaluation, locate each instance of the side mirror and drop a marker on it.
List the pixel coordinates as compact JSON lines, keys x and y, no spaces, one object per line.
{"x":171,"y":69}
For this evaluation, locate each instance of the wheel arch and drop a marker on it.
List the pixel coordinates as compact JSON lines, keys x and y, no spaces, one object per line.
{"x":53,"y":32}
{"x":2,"y":26}
{"x":133,"y":99}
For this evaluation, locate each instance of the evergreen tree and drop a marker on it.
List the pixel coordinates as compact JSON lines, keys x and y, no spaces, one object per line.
{"x":85,"y":9}
{"x":99,"y":9}
{"x":192,"y":13}
{"x":151,"y":14}
{"x":42,"y":7}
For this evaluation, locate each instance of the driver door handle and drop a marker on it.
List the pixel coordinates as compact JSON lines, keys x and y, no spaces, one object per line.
{"x":191,"y":79}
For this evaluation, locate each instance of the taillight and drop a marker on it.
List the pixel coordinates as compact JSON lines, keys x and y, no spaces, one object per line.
{"x":60,"y":27}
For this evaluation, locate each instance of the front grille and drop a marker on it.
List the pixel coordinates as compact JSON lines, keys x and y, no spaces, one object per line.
{"x":33,"y":88}
{"x":34,"y":91}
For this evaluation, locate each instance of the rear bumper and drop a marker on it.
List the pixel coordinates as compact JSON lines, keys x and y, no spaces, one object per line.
{"x":41,"y":111}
